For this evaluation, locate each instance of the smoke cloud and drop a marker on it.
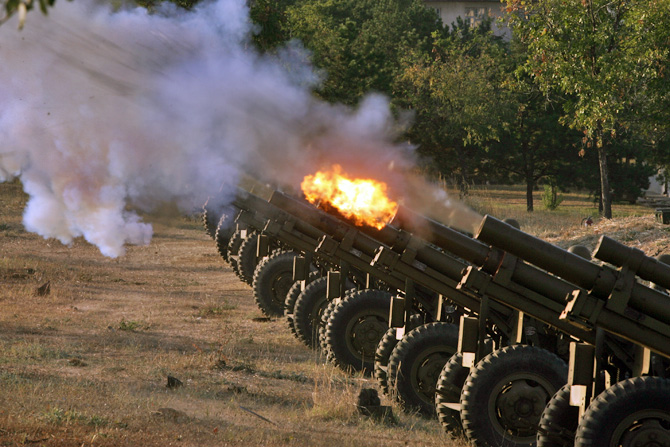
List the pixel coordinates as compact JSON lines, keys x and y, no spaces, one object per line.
{"x":105,"y":113}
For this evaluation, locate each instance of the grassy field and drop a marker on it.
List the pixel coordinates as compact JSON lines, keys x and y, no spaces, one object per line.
{"x":87,"y":363}
{"x":87,"y":342}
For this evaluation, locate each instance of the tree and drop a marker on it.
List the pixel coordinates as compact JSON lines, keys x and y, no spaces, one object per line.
{"x":271,"y":18}
{"x":455,"y":96}
{"x":21,"y":7}
{"x":533,"y":144}
{"x":604,"y":55}
{"x":358,"y":43}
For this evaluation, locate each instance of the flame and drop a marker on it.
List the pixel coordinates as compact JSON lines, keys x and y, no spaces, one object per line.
{"x":363,"y":201}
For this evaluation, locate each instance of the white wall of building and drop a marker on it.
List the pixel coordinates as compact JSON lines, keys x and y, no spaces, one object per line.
{"x":471,"y":11}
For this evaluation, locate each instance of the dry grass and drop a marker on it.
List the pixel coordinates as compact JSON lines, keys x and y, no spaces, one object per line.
{"x":87,"y":363}
{"x":631,"y":224}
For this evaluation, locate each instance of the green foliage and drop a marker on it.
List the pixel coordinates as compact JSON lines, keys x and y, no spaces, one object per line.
{"x":58,"y":416}
{"x":607,"y":59}
{"x":151,"y":5}
{"x":550,"y":197}
{"x":602,"y":53}
{"x":21,"y":7}
{"x":129,"y":325}
{"x":454,"y":93}
{"x":358,"y":44}
{"x":271,"y":18}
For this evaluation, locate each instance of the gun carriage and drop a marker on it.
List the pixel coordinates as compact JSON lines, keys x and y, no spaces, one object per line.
{"x":524,"y":305}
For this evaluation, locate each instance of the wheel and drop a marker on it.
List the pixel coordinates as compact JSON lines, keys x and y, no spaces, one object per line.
{"x":307,"y":311}
{"x":247,"y":259}
{"x":222,"y":234}
{"x":232,"y":249}
{"x":323,"y":327}
{"x":448,"y":390}
{"x":382,"y":354}
{"x":506,"y":392}
{"x":385,"y":348}
{"x":559,"y":421}
{"x":416,"y":362}
{"x":355,"y":326}
{"x":273,"y":280}
{"x":291,"y":297}
{"x":209,"y":219}
{"x":634,"y":412}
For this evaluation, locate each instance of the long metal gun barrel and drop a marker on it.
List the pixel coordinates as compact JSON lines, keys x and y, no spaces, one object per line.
{"x":616,"y":253}
{"x":601,"y":281}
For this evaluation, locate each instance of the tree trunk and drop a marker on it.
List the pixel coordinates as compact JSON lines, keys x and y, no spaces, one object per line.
{"x":464,"y":186}
{"x":605,"y":195}
{"x":530,"y":186}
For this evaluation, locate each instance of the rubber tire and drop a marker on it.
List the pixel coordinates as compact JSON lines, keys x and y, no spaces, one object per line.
{"x":232,"y":249}
{"x":307,"y":311}
{"x":292,"y":297}
{"x":488,"y":383}
{"x":247,"y":261}
{"x":222,"y":235}
{"x":273,"y":280}
{"x":448,"y":390}
{"x":385,"y":349}
{"x":323,"y":327}
{"x":362,"y":309}
{"x":559,"y":421}
{"x":416,"y":362}
{"x":616,"y":408}
{"x":209,"y":220}
{"x":289,"y":305}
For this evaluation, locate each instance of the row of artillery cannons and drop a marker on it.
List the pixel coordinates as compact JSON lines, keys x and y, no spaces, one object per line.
{"x":508,"y":340}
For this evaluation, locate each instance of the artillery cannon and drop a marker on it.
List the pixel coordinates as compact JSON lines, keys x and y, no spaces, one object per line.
{"x":505,"y":277}
{"x":585,"y":301}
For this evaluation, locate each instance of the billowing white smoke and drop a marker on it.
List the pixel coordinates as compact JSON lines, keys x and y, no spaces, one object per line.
{"x":102,"y":113}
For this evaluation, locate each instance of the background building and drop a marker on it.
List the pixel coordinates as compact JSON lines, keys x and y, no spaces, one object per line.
{"x":473,"y":12}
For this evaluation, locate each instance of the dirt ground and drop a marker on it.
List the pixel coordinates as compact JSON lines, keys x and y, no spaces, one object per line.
{"x":87,"y":344}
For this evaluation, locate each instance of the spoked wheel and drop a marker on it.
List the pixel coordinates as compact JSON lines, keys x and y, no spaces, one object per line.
{"x":559,"y":421}
{"x":448,"y":390}
{"x":355,"y":326}
{"x":416,"y":363}
{"x":247,"y":259}
{"x":632,"y":413}
{"x":505,"y":394}
{"x":273,"y":279}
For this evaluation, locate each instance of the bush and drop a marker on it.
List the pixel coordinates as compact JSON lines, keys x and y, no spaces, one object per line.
{"x":550,"y":197}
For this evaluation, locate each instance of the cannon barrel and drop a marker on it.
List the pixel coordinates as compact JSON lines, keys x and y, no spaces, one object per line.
{"x":547,"y":256}
{"x":616,"y":253}
{"x":602,"y":281}
{"x":249,"y":201}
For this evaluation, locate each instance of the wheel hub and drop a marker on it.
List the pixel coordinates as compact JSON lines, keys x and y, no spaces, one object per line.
{"x":646,"y":433}
{"x":520,"y":406}
{"x":428,"y":373}
{"x":281,"y":286}
{"x":366,"y":335}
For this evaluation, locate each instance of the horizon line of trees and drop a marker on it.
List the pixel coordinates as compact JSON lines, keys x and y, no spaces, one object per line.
{"x":578,"y":98}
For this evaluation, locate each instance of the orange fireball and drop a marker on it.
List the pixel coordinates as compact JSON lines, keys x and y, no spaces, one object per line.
{"x":364,"y":201}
